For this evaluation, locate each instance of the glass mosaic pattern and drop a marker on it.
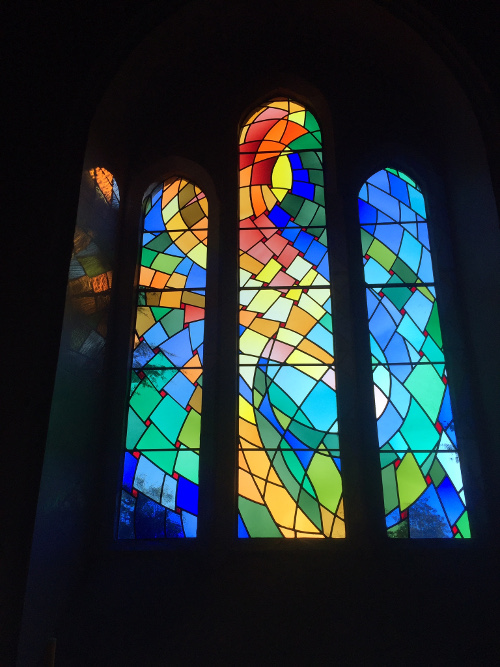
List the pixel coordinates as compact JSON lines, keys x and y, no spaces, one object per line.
{"x":422,"y":481}
{"x":289,"y":470}
{"x":160,"y":474}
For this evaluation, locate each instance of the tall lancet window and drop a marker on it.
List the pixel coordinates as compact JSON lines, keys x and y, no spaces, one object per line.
{"x":160,"y":474}
{"x":422,"y":481}
{"x":289,"y":470}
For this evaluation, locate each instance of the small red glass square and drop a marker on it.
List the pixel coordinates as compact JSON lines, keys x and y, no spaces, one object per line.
{"x":454,"y":530}
{"x":445,"y":379}
{"x":414,"y":289}
{"x":134,"y":493}
{"x":428,"y":479}
{"x":391,"y":272}
{"x":136,"y":454}
{"x":178,"y":510}
{"x":188,"y":408}
{"x":148,"y":422}
{"x":402,"y":311}
{"x":420,"y":352}
{"x":163,"y":393}
{"x":175,"y":475}
{"x":439,"y":428}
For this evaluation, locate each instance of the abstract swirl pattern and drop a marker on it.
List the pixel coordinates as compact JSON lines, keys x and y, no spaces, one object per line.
{"x":289,"y":474}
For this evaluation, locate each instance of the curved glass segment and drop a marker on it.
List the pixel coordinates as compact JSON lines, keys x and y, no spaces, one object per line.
{"x":160,"y":474}
{"x":422,"y":481}
{"x":289,"y":475}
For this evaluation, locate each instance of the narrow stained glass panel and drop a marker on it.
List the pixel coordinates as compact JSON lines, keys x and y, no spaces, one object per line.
{"x":160,"y":474}
{"x":289,"y":463}
{"x":421,"y":475}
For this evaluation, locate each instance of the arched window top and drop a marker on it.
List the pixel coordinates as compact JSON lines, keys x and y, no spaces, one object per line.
{"x":178,"y":203}
{"x":390,"y":195}
{"x":281,"y":171}
{"x":287,"y":125}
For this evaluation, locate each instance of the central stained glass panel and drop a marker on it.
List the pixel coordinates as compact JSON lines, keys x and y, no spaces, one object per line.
{"x":289,"y":461}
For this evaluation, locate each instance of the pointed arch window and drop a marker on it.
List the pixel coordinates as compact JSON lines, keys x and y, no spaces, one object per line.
{"x":161,"y":465}
{"x":421,"y":474}
{"x":289,"y":473}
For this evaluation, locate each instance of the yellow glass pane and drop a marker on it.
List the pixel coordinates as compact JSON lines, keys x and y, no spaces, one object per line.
{"x":281,"y":505}
{"x":177,"y":280}
{"x":146,"y":276}
{"x":258,"y":462}
{"x":315,"y":351}
{"x":264,"y":326}
{"x":246,"y":410}
{"x":263,"y":300}
{"x":252,"y":343}
{"x":300,"y":321}
{"x":248,"y":488}
{"x":145,"y":319}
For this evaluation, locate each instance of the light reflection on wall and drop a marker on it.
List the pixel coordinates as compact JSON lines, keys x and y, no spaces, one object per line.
{"x":90,"y":272}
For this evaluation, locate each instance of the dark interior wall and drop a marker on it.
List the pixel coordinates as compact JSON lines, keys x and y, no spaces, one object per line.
{"x":381,"y":93}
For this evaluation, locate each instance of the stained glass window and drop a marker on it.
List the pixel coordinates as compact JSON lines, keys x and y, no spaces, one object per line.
{"x":421,"y":474}
{"x":160,"y":471}
{"x":289,"y":470}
